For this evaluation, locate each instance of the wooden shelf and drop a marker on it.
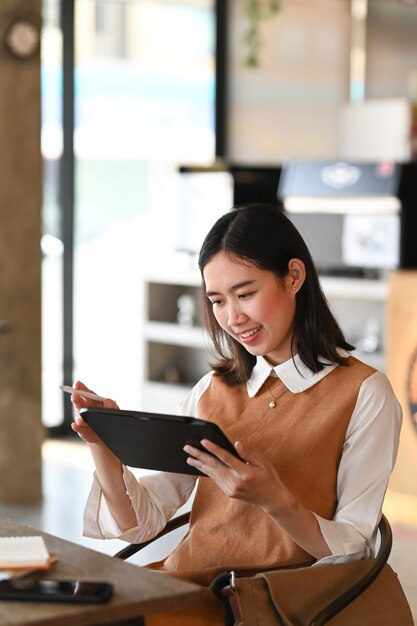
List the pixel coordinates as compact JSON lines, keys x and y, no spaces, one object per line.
{"x":354,"y":288}
{"x":163,"y":397}
{"x":175,"y":334}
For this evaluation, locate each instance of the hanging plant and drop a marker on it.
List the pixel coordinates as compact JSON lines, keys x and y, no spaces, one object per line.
{"x":256,"y":12}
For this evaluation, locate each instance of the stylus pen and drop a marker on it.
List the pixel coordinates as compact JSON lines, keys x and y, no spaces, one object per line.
{"x":81,"y":392}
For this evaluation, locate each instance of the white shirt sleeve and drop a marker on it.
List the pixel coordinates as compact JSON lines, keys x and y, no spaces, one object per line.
{"x":155,"y":497}
{"x":367,"y":460}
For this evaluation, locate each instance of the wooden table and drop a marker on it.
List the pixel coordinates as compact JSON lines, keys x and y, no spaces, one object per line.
{"x":137,"y":590}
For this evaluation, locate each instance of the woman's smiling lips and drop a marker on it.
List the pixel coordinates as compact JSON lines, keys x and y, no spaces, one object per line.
{"x":249,"y":336}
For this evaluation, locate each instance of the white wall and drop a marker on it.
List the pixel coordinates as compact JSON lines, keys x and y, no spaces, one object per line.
{"x":289,"y":106}
{"x":292,"y":106}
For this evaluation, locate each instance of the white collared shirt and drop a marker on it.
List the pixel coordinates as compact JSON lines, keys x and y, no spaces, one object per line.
{"x":368,"y":456}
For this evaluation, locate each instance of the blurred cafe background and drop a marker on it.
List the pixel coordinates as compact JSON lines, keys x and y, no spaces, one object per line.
{"x":127,"y":127}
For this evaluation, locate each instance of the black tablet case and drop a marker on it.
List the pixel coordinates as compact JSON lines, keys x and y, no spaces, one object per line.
{"x":153,"y":441}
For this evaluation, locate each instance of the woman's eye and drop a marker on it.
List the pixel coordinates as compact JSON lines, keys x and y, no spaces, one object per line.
{"x":243,"y":296}
{"x":213,"y":302}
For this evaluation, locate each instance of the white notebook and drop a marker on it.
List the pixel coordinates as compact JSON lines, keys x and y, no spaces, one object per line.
{"x":23,"y":553}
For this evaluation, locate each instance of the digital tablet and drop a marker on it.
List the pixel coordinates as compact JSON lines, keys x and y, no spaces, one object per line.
{"x":153,"y":441}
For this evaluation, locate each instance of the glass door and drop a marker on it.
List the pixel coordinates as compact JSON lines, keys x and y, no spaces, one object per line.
{"x":144,"y":103}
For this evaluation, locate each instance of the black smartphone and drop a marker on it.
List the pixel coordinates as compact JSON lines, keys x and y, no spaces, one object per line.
{"x":78,"y":591}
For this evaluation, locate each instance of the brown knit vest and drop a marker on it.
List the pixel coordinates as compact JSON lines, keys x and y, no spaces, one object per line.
{"x":302,"y":437}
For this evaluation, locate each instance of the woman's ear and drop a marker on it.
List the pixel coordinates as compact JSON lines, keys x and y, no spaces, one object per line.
{"x":297,"y":274}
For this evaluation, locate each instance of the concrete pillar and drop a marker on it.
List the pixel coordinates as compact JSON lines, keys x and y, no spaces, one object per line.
{"x":21,"y":431}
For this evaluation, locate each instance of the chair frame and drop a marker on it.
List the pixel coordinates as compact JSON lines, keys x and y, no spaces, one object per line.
{"x":377,"y":564}
{"x":133,"y":548}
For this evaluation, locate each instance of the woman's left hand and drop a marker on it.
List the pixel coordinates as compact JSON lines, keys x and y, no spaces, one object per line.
{"x":252,"y":479}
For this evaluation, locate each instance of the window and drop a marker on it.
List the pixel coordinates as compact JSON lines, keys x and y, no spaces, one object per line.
{"x":144,"y":104}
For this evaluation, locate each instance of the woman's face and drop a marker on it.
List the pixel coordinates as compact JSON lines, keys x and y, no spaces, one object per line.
{"x":254,"y":306}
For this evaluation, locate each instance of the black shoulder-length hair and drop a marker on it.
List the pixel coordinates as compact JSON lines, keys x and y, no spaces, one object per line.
{"x":263,"y":236}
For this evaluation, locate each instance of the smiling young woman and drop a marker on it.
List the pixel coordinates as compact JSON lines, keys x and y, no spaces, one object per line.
{"x":314,"y":461}
{"x":261,"y":238}
{"x":254,"y":306}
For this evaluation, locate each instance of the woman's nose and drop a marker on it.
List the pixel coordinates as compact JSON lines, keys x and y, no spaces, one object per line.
{"x":235,"y":316}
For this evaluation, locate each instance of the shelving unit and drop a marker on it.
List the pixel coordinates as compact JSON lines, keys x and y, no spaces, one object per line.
{"x":359,"y":307}
{"x":177,"y":355}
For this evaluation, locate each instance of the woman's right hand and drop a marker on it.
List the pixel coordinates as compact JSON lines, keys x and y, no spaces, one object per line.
{"x":79,"y":426}
{"x":109,"y":469}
